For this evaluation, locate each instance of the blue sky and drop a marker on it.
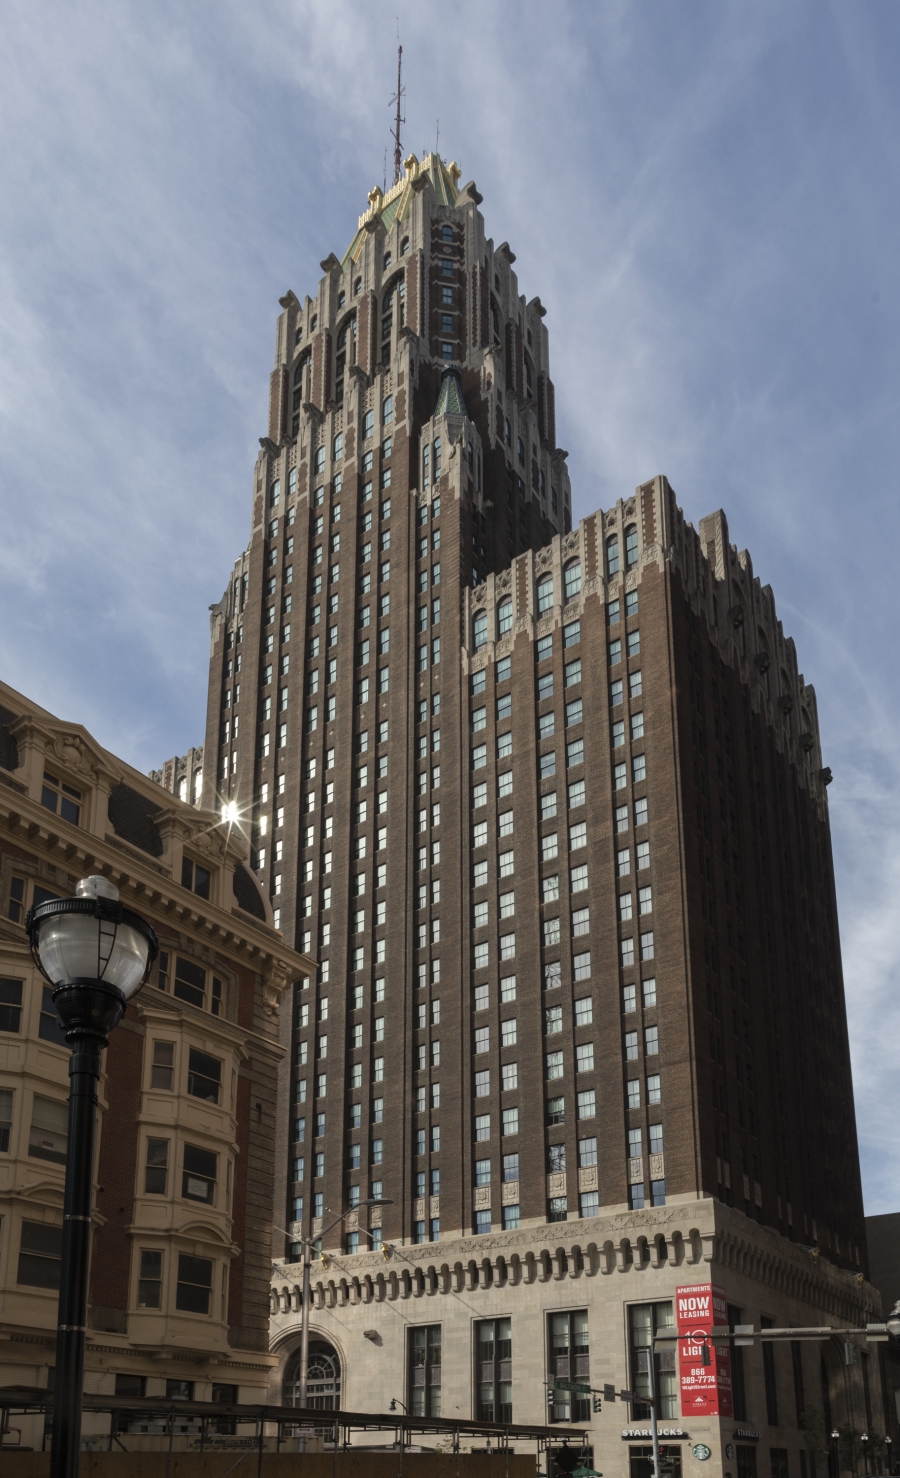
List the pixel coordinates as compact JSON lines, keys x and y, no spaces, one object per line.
{"x":705,"y":196}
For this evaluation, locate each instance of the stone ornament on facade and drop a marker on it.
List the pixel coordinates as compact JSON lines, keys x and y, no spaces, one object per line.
{"x":573,"y":611}
{"x":503,"y":581}
{"x":482,"y":1198}
{"x":503,"y":647}
{"x":509,"y":1193}
{"x":545,"y":626}
{"x":570,"y":544}
{"x":544,"y":558}
{"x":587,"y":1178}
{"x":556,"y":1183}
{"x":522,"y":623}
{"x":593,"y":585}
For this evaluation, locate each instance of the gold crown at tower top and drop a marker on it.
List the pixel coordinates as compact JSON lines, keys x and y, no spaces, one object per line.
{"x":378,"y":199}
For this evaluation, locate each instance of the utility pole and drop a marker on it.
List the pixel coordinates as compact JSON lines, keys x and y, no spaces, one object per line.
{"x":654,"y":1421}
{"x":395,"y":131}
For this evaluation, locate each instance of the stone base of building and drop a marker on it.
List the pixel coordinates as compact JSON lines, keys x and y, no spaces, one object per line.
{"x":371,"y":1314}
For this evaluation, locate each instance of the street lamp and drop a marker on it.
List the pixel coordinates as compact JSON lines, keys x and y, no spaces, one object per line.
{"x":864,"y":1439}
{"x":304,"y":1305}
{"x":893,"y":1323}
{"x":96,"y":954}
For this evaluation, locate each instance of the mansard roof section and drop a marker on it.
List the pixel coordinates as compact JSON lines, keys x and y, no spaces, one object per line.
{"x":397,"y":202}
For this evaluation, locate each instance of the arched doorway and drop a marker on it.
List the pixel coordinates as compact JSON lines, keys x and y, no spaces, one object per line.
{"x":323,"y":1379}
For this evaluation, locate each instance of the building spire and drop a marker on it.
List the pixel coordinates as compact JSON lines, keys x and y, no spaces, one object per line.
{"x":395,"y":131}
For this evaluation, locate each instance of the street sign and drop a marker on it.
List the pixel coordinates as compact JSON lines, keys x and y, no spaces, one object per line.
{"x":569,"y":1385}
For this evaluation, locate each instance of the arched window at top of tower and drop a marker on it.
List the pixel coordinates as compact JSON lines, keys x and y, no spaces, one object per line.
{"x":495,"y":320}
{"x":404,"y":246}
{"x":349,"y":323}
{"x":342,"y":298}
{"x":387,"y":261}
{"x":446,"y":233}
{"x":314,"y":323}
{"x":357,"y":287}
{"x":631,"y":546}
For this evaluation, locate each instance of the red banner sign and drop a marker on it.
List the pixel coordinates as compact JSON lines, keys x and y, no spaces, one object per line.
{"x":705,"y":1389}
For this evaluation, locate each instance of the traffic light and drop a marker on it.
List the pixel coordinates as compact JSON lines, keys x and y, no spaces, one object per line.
{"x":550,"y":1398}
{"x":598,"y":1403}
{"x":704,"y":1354}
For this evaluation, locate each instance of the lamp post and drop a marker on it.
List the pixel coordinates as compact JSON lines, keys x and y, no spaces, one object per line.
{"x":96,"y":954}
{"x":889,"y":1454}
{"x":304,"y":1306}
{"x":835,"y":1438}
{"x":864,"y":1439}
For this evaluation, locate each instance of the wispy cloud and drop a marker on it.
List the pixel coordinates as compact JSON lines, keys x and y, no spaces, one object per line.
{"x":706,"y":199}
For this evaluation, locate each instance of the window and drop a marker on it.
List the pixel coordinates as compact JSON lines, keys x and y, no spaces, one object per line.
{"x":198,"y":1181}
{"x":504,"y":617}
{"x":651,"y":1040}
{"x":643,"y":855}
{"x":554,"y":1065}
{"x":424,"y":1388}
{"x":552,"y":1020}
{"x":6,"y":1107}
{"x":585,"y":1057}
{"x":615,"y":652}
{"x":545,"y":593}
{"x":551,"y":931}
{"x":195,"y":877}
{"x":11,"y":1005}
{"x":631,"y":1046}
{"x":581,"y":966}
{"x":49,"y":1135}
{"x":479,"y":630}
{"x":634,"y":643}
{"x":189,"y":983}
{"x":612,"y":563}
{"x":194,"y":1285}
{"x":631,"y":547}
{"x":162,"y":1073}
{"x":653,"y":1089}
{"x":156,"y":1170}
{"x":149,"y":1282}
{"x":482,"y":1126}
{"x":647,"y":947}
{"x":493,"y":1371}
{"x":575,"y":753}
{"x":61,"y":798}
{"x":645,"y":1322}
{"x":572,"y":577}
{"x":40,"y":1255}
{"x":204,"y":1075}
{"x":569,"y":1360}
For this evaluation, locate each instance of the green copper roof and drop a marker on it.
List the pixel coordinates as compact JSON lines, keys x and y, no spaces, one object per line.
{"x":450,"y":401}
{"x":396,"y":204}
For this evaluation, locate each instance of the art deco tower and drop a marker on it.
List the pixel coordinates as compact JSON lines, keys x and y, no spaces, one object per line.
{"x":548,"y":806}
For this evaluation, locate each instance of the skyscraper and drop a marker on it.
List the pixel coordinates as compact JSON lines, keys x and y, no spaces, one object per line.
{"x":549,"y":808}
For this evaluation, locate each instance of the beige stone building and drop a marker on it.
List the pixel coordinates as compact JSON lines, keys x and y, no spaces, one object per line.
{"x":178,"y":1300}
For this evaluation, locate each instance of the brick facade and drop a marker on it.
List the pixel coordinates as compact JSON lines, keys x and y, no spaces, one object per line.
{"x":642,"y":842}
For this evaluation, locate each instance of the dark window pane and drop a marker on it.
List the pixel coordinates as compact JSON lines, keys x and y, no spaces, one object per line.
{"x":40,"y":1255}
{"x":10,"y":1003}
{"x":48,"y":798}
{"x":187,"y":872}
{"x":190,"y":982}
{"x":204,"y":1075}
{"x":42,"y":895}
{"x":201,"y":881}
{"x":203,"y":1162}
{"x":130,"y":1385}
{"x":48,"y":1025}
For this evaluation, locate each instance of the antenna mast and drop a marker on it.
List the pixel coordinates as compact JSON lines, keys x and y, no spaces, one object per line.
{"x":395,"y":131}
